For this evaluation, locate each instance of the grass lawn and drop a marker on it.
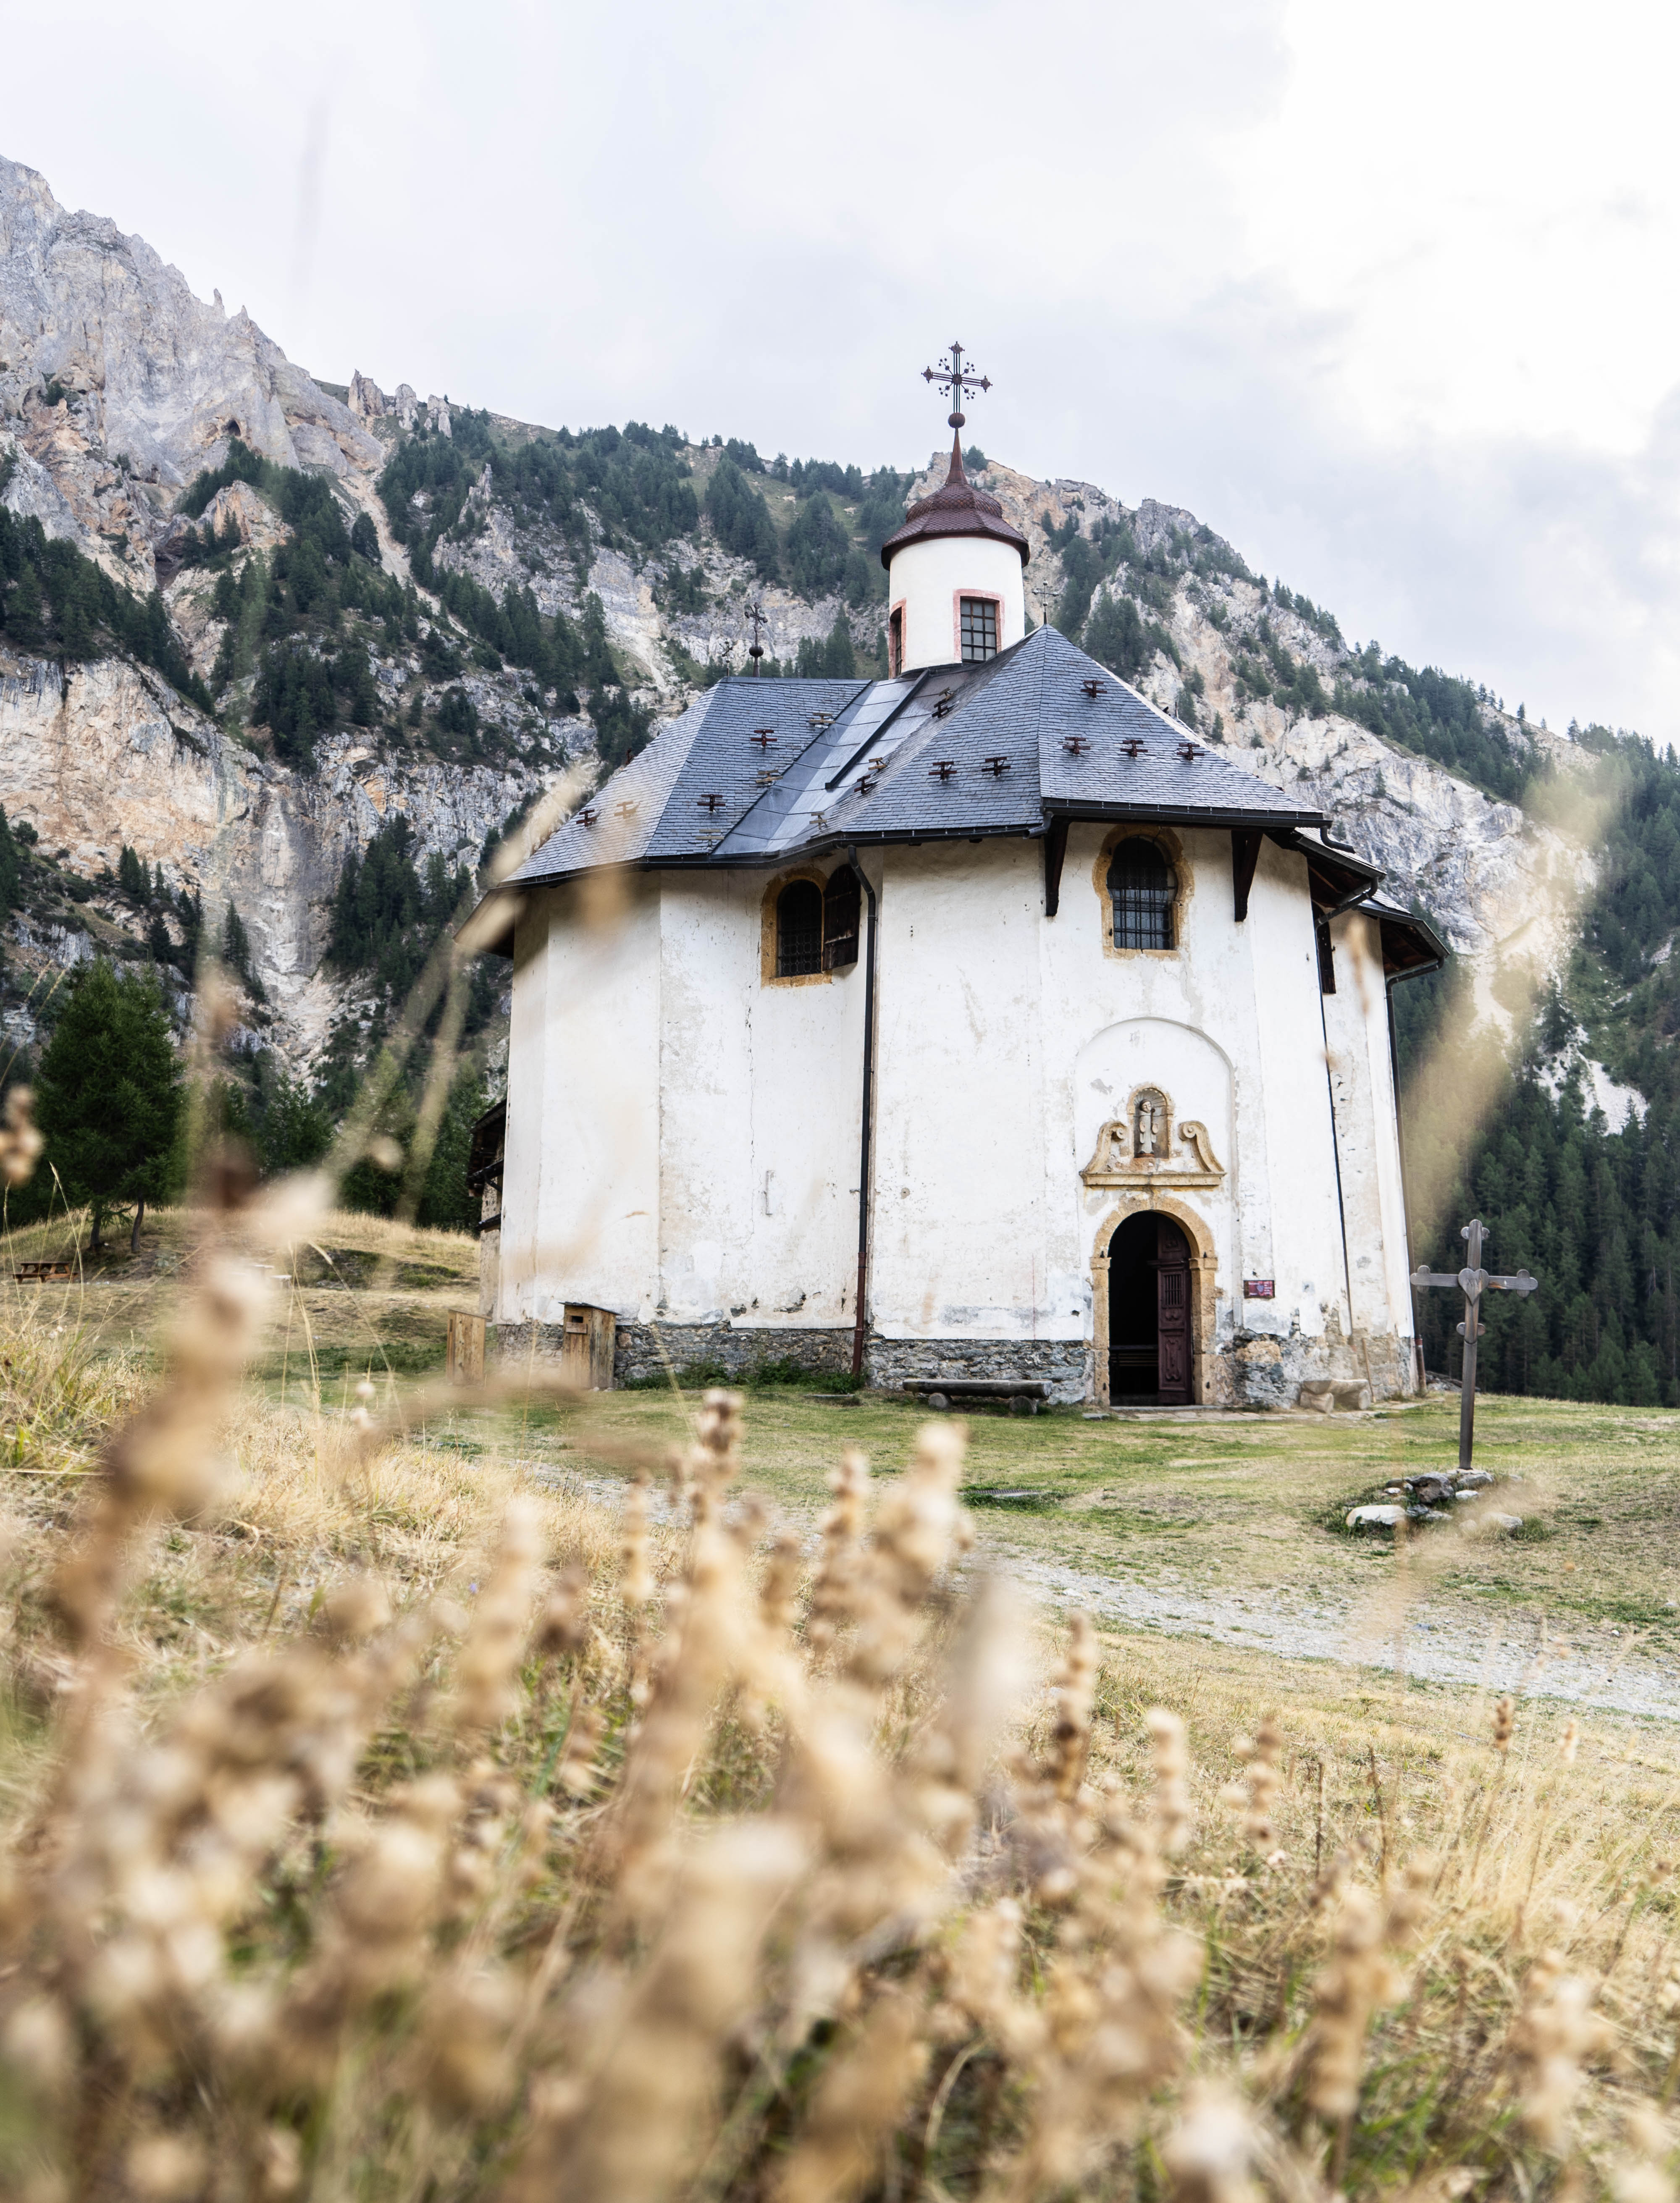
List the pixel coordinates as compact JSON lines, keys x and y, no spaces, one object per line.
{"x":1239,"y":1519}
{"x":1254,"y":1504}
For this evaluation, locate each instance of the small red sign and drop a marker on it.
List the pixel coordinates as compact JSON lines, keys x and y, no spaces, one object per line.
{"x":1259,"y":1288}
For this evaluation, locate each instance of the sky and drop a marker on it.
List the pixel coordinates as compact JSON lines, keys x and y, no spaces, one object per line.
{"x":1385,"y":295}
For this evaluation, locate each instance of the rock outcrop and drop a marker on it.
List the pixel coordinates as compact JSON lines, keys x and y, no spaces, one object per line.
{"x":98,"y":755}
{"x":117,"y":384}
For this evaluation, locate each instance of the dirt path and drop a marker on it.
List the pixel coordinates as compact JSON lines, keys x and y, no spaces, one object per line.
{"x":1612,"y":1670}
{"x":1519,"y":1652}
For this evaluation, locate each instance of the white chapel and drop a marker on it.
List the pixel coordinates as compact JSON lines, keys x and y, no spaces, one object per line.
{"x":975,"y":1026}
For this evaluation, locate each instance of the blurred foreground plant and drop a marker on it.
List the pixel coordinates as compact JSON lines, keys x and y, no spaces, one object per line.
{"x":664,"y":1859}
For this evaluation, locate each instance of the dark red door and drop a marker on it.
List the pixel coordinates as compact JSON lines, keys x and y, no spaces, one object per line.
{"x":1171,"y":1304}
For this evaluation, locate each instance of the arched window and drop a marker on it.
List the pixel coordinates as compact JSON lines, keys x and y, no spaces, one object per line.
{"x":799,"y":930}
{"x":1141,"y":882}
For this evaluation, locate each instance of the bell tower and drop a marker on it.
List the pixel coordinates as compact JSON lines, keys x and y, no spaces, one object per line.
{"x":955,"y":591}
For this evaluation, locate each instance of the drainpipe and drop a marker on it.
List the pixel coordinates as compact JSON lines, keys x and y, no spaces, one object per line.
{"x":868,"y":1111}
{"x":1405,"y":1196}
{"x":1359,"y":895}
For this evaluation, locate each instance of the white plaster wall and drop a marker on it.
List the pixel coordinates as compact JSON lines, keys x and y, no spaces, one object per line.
{"x":581,"y":1190}
{"x":930,"y":574}
{"x":1308,"y":1256}
{"x":1195,"y":1071}
{"x":683,"y":1139}
{"x":760,"y":1091}
{"x":959,"y":1242}
{"x":1368,"y":1129}
{"x":1250,"y":993}
{"x":1007,"y":1039}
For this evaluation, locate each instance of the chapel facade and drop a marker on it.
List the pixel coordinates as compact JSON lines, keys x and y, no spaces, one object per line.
{"x":977,"y":1023}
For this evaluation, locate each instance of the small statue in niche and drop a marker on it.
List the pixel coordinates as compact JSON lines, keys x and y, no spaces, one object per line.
{"x":1151,"y":1127}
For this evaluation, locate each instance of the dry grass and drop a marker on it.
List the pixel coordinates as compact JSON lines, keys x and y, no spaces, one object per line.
{"x":363,"y":1294}
{"x":378,"y":1824}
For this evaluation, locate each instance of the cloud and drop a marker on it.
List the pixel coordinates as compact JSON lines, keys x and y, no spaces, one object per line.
{"x":1381,"y":293}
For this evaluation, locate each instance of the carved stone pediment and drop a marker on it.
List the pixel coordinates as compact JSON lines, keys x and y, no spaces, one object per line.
{"x":1145,"y":1147}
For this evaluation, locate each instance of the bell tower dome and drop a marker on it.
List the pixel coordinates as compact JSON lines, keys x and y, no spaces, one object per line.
{"x":955,"y":586}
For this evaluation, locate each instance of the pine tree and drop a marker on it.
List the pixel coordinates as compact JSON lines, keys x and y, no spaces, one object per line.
{"x":236,"y":944}
{"x":108,"y":1095}
{"x":446,"y":1203}
{"x":132,"y":876}
{"x":11,"y":866}
{"x":1115,"y":636}
{"x":839,"y":654}
{"x":25,"y":622}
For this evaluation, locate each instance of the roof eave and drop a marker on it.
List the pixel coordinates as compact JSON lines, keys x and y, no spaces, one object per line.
{"x":840,"y":837}
{"x":1186,"y":814}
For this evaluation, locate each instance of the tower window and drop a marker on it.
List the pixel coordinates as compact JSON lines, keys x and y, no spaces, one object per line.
{"x":896,"y":641}
{"x":980,"y":629}
{"x":799,"y":930}
{"x":1142,"y":884}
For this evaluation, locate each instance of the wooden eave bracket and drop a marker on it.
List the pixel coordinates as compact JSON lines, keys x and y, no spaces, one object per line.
{"x":1056,"y":850}
{"x":1244,"y":856}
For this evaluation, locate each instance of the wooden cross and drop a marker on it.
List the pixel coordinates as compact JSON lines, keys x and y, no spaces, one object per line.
{"x":1472,"y":1281}
{"x":954,"y":380}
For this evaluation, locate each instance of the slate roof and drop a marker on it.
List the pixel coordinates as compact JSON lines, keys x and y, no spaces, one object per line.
{"x":1008,"y":746}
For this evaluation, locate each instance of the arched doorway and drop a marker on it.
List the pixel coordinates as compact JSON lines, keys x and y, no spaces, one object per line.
{"x":1149,"y":1312}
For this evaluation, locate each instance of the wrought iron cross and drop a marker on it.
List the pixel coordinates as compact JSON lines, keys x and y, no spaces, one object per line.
{"x":755,"y":613}
{"x":1472,"y":1281}
{"x":954,"y":380}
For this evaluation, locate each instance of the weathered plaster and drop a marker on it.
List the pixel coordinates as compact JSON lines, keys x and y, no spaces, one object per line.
{"x":683,"y":1140}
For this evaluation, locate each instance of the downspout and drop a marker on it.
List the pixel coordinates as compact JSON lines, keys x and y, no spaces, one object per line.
{"x":1335,"y":1157}
{"x":1405,"y":1196}
{"x":1360,"y":894}
{"x":861,"y":1324}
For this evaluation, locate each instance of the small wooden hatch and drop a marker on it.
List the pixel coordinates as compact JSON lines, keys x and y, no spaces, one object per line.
{"x":587,"y":1336}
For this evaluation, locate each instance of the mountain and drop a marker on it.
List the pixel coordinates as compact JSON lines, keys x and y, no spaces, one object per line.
{"x":303,"y":649}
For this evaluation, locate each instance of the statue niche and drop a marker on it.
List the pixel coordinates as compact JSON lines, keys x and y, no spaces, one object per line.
{"x":1140,"y":1147}
{"x":1152,"y":1124}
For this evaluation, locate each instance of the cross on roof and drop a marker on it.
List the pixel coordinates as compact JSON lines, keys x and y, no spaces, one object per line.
{"x":954,"y":380}
{"x":755,"y":613}
{"x":1472,"y":1281}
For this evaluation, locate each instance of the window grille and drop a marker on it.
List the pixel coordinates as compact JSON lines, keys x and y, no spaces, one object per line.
{"x":841,"y":901}
{"x":1141,"y":882}
{"x":799,"y":930}
{"x":980,"y":629}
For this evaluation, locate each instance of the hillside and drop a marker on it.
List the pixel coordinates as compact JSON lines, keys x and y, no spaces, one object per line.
{"x":301,"y":649}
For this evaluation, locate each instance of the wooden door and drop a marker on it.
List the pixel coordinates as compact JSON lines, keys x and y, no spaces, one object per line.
{"x":1172,"y":1304}
{"x":586,"y":1341}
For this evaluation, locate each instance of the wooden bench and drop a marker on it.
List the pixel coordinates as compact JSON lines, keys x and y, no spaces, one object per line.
{"x":1020,"y":1394}
{"x":42,"y":1273}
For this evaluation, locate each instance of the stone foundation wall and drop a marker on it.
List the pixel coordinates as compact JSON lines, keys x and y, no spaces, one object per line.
{"x":644,"y":1350}
{"x":1063,"y":1365}
{"x":1264,"y":1371}
{"x":1253,"y":1369}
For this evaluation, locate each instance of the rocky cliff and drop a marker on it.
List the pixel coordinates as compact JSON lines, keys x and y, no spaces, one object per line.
{"x":118,"y":387}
